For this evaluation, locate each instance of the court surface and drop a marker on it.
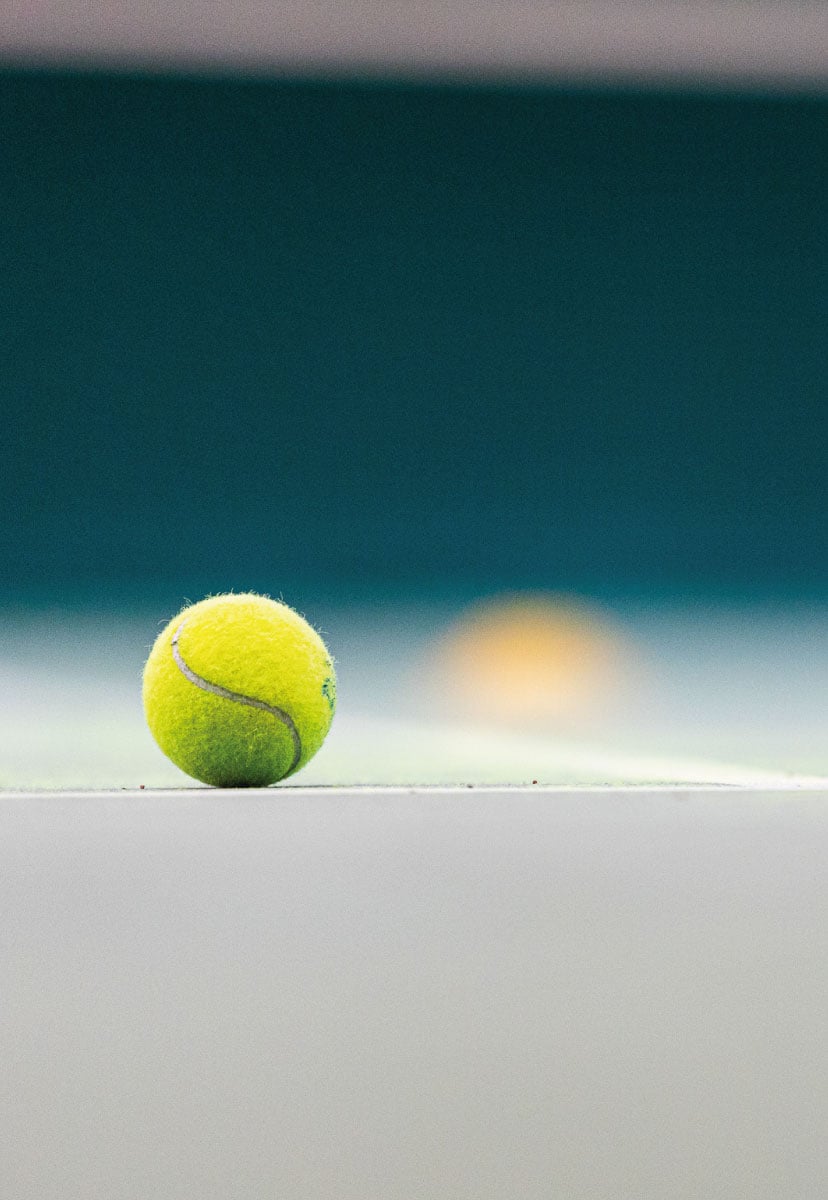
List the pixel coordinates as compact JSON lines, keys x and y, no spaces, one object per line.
{"x":606,"y":979}
{"x":470,"y":993}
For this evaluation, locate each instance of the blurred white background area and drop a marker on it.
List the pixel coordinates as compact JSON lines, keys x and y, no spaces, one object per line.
{"x":768,"y":43}
{"x":700,"y":694}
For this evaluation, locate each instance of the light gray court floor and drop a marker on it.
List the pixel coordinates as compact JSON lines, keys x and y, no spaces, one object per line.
{"x":414,"y":994}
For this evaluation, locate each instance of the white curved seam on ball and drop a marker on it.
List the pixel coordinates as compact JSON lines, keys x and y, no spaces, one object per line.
{"x":225,"y":693}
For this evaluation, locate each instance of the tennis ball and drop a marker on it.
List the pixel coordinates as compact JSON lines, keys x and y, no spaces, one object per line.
{"x":239,"y":691}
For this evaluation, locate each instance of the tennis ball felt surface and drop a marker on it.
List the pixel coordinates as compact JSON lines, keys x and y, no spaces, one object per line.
{"x":239,"y":691}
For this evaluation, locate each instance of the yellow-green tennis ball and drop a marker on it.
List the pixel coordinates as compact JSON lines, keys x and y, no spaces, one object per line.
{"x":239,"y":691}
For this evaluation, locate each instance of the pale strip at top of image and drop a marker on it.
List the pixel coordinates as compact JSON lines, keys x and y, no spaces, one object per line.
{"x":769,"y":44}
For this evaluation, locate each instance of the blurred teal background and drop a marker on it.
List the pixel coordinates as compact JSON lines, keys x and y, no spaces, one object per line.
{"x":386,"y":348}
{"x":346,"y":339}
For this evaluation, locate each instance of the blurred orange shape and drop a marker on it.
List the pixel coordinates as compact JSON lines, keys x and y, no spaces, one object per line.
{"x":527,"y":658}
